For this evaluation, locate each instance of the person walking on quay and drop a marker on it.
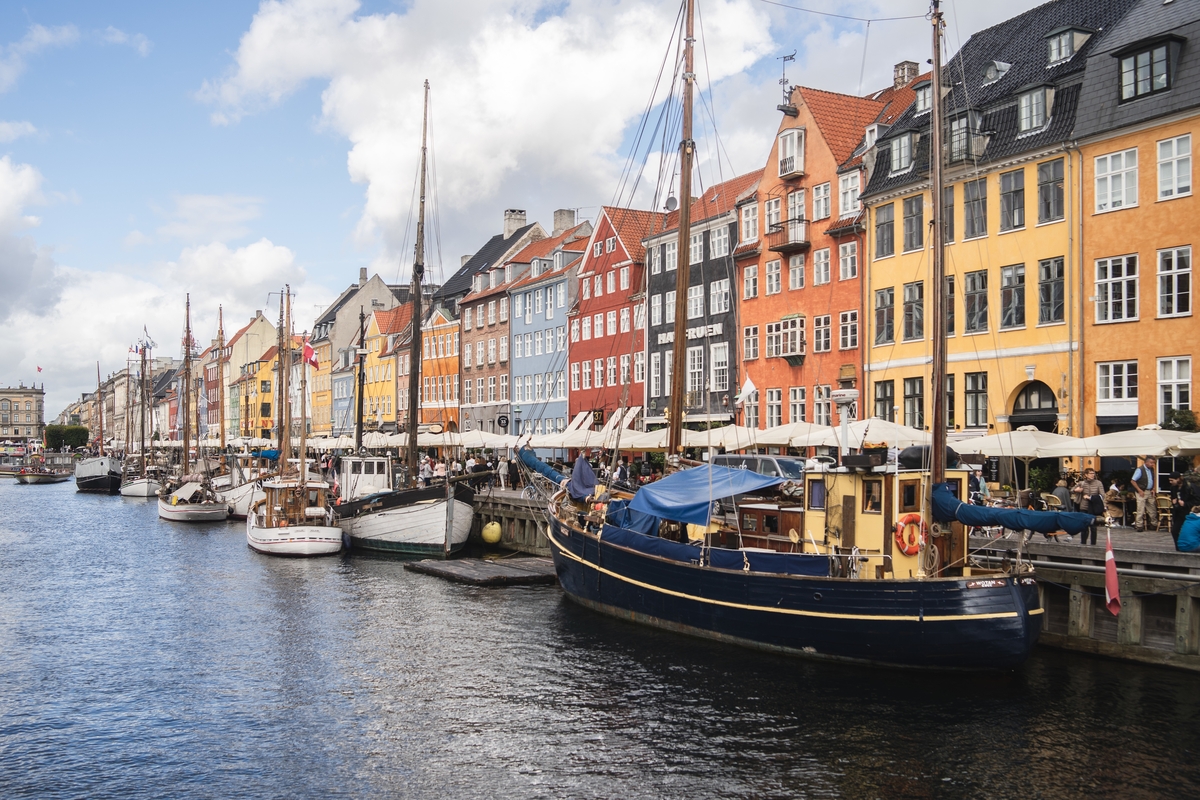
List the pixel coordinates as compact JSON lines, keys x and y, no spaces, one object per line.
{"x":1090,"y":496}
{"x":514,"y":475}
{"x":1145,"y":486}
{"x":503,"y":470}
{"x":439,"y":472}
{"x":426,"y":472}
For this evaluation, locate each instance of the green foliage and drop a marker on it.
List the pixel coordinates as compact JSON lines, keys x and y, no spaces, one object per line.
{"x":60,"y":436}
{"x":1180,"y":419}
{"x":1043,"y":479}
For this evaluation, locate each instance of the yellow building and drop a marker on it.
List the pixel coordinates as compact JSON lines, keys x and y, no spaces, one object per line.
{"x":384,"y":365}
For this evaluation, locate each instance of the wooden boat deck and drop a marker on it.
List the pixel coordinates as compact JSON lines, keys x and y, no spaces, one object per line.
{"x":489,"y":571}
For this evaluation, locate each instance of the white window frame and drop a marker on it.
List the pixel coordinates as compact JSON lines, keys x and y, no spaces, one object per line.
{"x":848,"y":189}
{"x":1174,"y":384}
{"x":774,"y":408}
{"x":847,"y":261}
{"x":695,"y":369}
{"x":821,"y":274}
{"x":625,"y":319}
{"x":823,"y":333}
{"x":671,"y":256}
{"x":796,"y":272}
{"x":1174,"y":167}
{"x":1113,"y":381}
{"x":790,"y":152}
{"x":639,"y":366}
{"x":1031,"y":110}
{"x":848,"y":330}
{"x":750,"y":223}
{"x":719,"y":299}
{"x":1175,"y":287}
{"x":797,"y":404}
{"x":695,"y":302}
{"x":821,"y":201}
{"x":774,"y":278}
{"x":1126,"y":283}
{"x":718,"y":242}
{"x":655,"y":374}
{"x":750,"y":343}
{"x":750,"y":282}
{"x":718,"y":367}
{"x":656,"y":317}
{"x":1119,"y":170}
{"x":901,"y":153}
{"x":624,"y":278}
{"x":696,"y":248}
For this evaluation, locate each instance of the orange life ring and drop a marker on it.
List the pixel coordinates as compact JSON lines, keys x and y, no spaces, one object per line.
{"x":906,"y":538}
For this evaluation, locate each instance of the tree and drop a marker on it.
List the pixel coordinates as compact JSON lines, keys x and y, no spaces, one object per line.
{"x":1180,"y":419}
{"x":60,"y":436}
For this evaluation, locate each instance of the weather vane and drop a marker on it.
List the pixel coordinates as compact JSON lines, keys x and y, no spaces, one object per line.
{"x":783,"y":81}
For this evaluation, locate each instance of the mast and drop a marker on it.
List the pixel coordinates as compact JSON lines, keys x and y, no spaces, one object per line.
{"x":285,"y":368}
{"x":362,"y":378}
{"x":221,"y":378}
{"x":303,"y":421}
{"x":682,"y":255}
{"x":414,"y":348}
{"x":128,"y":422}
{"x":142,"y":415}
{"x":279,"y":396}
{"x":938,"y":378}
{"x":100,"y":406}
{"x":186,"y":384}
{"x":149,"y":390}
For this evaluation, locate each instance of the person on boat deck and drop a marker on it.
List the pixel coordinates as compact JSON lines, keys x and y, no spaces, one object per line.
{"x":1189,"y":532}
{"x":1145,"y":486}
{"x":1090,"y":495}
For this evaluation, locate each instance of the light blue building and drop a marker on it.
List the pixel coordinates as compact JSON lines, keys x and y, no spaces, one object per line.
{"x":342,"y":384}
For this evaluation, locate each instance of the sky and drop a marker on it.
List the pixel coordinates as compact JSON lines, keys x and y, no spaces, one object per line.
{"x":149,"y":150}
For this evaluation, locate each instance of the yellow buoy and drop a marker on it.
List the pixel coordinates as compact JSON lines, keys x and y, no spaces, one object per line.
{"x":491,"y":533}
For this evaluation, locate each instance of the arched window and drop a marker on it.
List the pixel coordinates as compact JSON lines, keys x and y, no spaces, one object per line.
{"x":1036,"y":397}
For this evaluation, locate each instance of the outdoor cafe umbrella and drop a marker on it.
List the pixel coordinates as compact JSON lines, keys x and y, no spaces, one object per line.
{"x":782,"y":435}
{"x":1026,"y":444}
{"x":872,"y":431}
{"x":1148,"y":440}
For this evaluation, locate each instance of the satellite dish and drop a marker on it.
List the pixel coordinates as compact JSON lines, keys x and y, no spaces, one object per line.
{"x":672,"y":203}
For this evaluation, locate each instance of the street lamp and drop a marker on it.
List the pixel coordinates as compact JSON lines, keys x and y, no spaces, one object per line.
{"x":517,"y":418}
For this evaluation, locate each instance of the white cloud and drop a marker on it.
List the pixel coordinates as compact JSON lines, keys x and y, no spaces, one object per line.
{"x":136,"y":238}
{"x":11,"y":131}
{"x":137,"y":41}
{"x":208,"y":217}
{"x":37,"y":38}
{"x":26,"y":269}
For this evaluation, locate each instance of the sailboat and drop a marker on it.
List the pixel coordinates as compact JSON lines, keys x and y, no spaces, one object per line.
{"x":144,"y":481}
{"x":871,"y":567}
{"x":433,"y":522}
{"x":100,"y":474}
{"x":293,"y":517}
{"x":190,"y":498}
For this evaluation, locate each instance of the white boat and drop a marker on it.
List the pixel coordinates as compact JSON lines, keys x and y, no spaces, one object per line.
{"x":42,"y":476}
{"x":141,"y":487}
{"x":101,"y":474}
{"x":417,"y":522}
{"x":292,"y":519}
{"x":241,"y":498}
{"x":191,"y":502}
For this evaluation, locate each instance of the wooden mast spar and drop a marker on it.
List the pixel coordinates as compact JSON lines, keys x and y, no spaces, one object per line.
{"x":100,"y":406}
{"x":414,"y":377}
{"x":185,"y":385}
{"x":221,"y":379}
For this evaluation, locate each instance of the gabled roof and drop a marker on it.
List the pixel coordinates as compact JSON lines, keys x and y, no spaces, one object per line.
{"x":632,"y":226}
{"x":487,"y":256}
{"x":394,"y":320}
{"x":842,"y":118}
{"x":240,"y":332}
{"x":895,"y":102}
{"x":543,"y":248}
{"x":718,"y":199}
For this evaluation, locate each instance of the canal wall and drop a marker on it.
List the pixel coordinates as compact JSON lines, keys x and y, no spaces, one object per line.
{"x":1159,"y":621}
{"x":522,"y":520}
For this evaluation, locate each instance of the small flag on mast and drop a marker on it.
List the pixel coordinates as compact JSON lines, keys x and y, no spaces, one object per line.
{"x":1112,"y":587}
{"x":310,"y":355}
{"x":39,"y":369}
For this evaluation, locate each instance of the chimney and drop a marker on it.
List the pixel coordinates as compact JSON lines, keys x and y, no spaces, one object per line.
{"x":514,"y":219}
{"x":463,"y":261}
{"x":257,"y":313}
{"x":904,"y":73}
{"x":362,"y":276}
{"x":564,"y":218}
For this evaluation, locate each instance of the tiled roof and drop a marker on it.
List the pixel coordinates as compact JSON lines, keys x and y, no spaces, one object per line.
{"x":717,"y":200}
{"x":632,"y":226}
{"x":842,"y":118}
{"x":487,"y":256}
{"x":530,"y":279}
{"x":394,"y":320}
{"x":543,"y":249}
{"x":895,"y":102}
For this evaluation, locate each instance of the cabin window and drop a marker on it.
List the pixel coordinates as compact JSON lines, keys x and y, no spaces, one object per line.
{"x":771,"y":523}
{"x":816,"y":494}
{"x":356,"y":468}
{"x":872,"y":497}
{"x":910,"y":497}
{"x":749,"y":522}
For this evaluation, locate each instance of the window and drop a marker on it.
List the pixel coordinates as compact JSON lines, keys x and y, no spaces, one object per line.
{"x":598,"y":372}
{"x":655,"y":309}
{"x":624,"y":282}
{"x":587,"y":374}
{"x":902,"y":152}
{"x":466,"y":362}
{"x":1050,"y":290}
{"x":796,"y":272}
{"x":1116,"y":289}
{"x":1012,"y":200}
{"x":695,"y":304}
{"x":749,"y":223}
{"x":695,"y":369}
{"x":792,"y":336}
{"x":610,"y":244}
{"x":750,"y":282}
{"x":669,"y":307}
{"x":924,"y":99}
{"x":848,"y":188}
{"x":574,"y":335}
{"x":1031,"y":110}
{"x":639,"y":316}
{"x":503,"y":349}
{"x":1175,"y":167}
{"x":1116,"y":180}
{"x":504,"y":388}
{"x":718,"y":243}
{"x":719,"y":360}
{"x":750,"y":342}
{"x":479,"y":353}
{"x":914,"y":311}
{"x":1175,"y":282}
{"x":774,"y":407}
{"x":848,"y":261}
{"x":1174,"y":386}
{"x":821,"y":201}
{"x":976,"y":395}
{"x":848,"y":330}
{"x":796,"y":404}
{"x":624,"y":369}
{"x":885,"y":315}
{"x":639,"y":367}
{"x":885,"y":400}
{"x":885,"y":230}
{"x":575,"y":377}
{"x":914,"y":222}
{"x":949,"y":402}
{"x":914,"y":402}
{"x":491,"y":389}
{"x":611,"y":282}
{"x":791,"y":152}
{"x":696,"y":248}
{"x":822,"y":407}
{"x":587,"y":328}
{"x":752,"y":410}
{"x":537,"y":387}
{"x":537,"y":342}
{"x":821,"y":267}
{"x":655,"y":374}
{"x":774,"y":340}
{"x":822,"y":334}
{"x":1050,"y":191}
{"x":960,"y":132}
{"x":561,"y":332}
{"x":625,"y":319}
{"x":537,"y":304}
{"x":948,"y":215}
{"x":1061,"y":47}
{"x":1012,"y":296}
{"x":611,"y":318}
{"x":597,"y":286}
{"x":491,"y":312}
{"x":597,"y":325}
{"x":671,"y":256}
{"x":504,"y":309}
{"x":949,"y":301}
{"x":975,"y":208}
{"x":587,"y":289}
{"x":467,"y":319}
{"x":655,"y":262}
{"x":975,"y":302}
{"x":612,"y":370}
{"x":772,"y":209}
{"x":1117,"y":380}
{"x":774,"y":280}
{"x":1144,"y":73}
{"x":719,"y":300}
{"x":562,"y":296}
{"x":468,"y":393}
{"x":598,"y":249}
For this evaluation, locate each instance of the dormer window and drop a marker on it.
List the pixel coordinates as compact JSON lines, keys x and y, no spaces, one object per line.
{"x":874,"y":132}
{"x":902,"y":147}
{"x":960,"y":137}
{"x":924,"y":98}
{"x":559,"y":260}
{"x":493,"y":279}
{"x":1062,"y":47}
{"x":478,"y":283}
{"x":791,"y":153}
{"x":1145,"y":71}
{"x":507,"y":273}
{"x":1031,"y":110}
{"x":995,"y":71}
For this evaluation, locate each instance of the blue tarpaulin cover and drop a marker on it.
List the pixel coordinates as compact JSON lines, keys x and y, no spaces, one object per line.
{"x":270,"y":455}
{"x":777,"y":563}
{"x":687,"y":496}
{"x":530,"y":460}
{"x":947,"y":508}
{"x":621,"y":515}
{"x":583,"y":480}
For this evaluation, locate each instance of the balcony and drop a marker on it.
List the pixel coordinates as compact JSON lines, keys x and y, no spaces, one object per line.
{"x":791,"y":167}
{"x":794,"y":349}
{"x":790,"y":236}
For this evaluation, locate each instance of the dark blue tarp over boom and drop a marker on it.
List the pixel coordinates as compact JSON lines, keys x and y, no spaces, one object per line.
{"x":778,"y":563}
{"x":621,"y":515}
{"x":947,"y":508}
{"x":542,"y":468}
{"x":687,"y":496}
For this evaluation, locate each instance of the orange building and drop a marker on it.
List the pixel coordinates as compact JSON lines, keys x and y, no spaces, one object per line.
{"x":439,"y":370}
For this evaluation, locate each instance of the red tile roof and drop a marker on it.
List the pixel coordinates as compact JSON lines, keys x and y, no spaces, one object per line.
{"x":394,"y":320}
{"x":842,"y":118}
{"x":717,"y":199}
{"x":894,"y":101}
{"x":632,"y":226}
{"x":571,"y":240}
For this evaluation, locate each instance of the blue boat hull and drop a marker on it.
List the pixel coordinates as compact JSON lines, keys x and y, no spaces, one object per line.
{"x":982,"y":623}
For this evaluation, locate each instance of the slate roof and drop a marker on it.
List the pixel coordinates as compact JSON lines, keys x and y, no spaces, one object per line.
{"x":895,"y":102}
{"x":487,"y":256}
{"x":1099,"y":108}
{"x":1020,"y":42}
{"x":542,"y":248}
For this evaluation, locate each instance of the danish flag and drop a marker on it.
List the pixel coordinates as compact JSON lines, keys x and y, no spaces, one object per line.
{"x":310,"y":355}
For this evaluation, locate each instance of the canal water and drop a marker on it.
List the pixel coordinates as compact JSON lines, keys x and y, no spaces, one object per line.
{"x":141,"y":658}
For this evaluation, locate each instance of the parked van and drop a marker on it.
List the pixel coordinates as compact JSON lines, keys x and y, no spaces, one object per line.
{"x":787,"y":467}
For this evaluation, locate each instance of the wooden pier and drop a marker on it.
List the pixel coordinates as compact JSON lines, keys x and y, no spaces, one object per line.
{"x":489,"y":571}
{"x":522,"y":520}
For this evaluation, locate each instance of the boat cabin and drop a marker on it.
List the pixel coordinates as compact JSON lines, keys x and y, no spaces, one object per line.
{"x":364,"y":475}
{"x":286,"y":503}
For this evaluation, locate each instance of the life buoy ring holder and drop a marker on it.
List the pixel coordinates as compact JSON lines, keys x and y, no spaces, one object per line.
{"x":908,"y":540}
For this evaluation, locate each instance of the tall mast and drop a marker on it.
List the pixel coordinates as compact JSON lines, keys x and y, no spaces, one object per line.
{"x":414,"y":348}
{"x":279,"y":396}
{"x":142,"y":408}
{"x":128,"y":431}
{"x":185,"y":386}
{"x":361,"y":352}
{"x":682,"y":256}
{"x":100,"y":406}
{"x":221,"y":377}
{"x":149,"y":389}
{"x":938,"y":378}
{"x":303,"y":420}
{"x":285,"y":369}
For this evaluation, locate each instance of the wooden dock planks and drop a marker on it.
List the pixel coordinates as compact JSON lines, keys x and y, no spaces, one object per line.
{"x":489,"y":571}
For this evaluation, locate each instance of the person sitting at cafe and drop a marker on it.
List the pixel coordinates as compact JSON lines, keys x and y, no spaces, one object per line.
{"x":1189,"y":534}
{"x":1089,"y":493}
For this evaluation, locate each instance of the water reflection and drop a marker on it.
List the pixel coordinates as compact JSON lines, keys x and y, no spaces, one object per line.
{"x":146,"y":659}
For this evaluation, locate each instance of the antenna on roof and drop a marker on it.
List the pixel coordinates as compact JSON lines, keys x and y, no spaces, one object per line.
{"x":783,"y":81}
